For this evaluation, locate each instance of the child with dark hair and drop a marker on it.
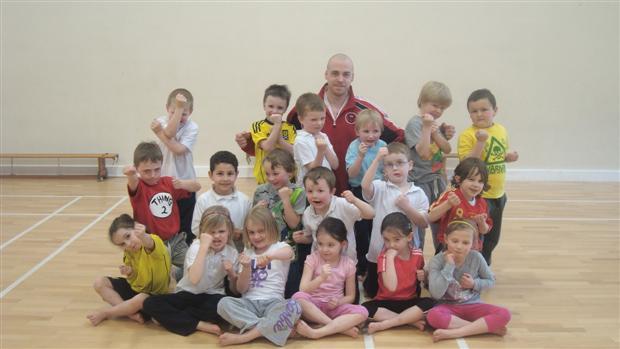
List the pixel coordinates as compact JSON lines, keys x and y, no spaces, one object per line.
{"x":322,"y":297}
{"x":223,"y":172}
{"x":464,"y":201}
{"x":272,"y":132}
{"x":146,"y":270}
{"x":400,"y":271}
{"x":154,"y":200}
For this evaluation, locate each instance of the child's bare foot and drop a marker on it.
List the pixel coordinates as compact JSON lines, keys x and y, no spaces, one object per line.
{"x":442,"y":334}
{"x":304,"y":329}
{"x":96,"y":317}
{"x":501,"y":332}
{"x":420,"y":325}
{"x":375,"y":327}
{"x":209,"y":328}
{"x":137,"y":317}
{"x":228,"y":338}
{"x":294,"y":334}
{"x":352,"y":332}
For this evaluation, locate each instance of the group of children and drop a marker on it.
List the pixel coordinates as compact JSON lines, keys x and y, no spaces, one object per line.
{"x":289,"y":257}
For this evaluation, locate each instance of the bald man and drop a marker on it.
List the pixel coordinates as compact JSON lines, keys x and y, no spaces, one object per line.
{"x":341,"y":112}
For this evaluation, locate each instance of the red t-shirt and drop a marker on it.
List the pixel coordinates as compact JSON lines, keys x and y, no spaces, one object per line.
{"x":405,"y":274}
{"x":155,"y":207}
{"x":462,"y":211}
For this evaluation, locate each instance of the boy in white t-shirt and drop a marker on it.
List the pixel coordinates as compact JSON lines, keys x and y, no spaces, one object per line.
{"x":320,"y":184}
{"x":176,"y":135}
{"x":312,"y":147}
{"x":394,"y":195}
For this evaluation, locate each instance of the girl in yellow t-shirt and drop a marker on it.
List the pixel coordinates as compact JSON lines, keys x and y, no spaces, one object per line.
{"x":146,"y":267}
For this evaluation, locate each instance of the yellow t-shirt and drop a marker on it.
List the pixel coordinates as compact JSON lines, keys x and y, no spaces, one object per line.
{"x":151,"y":271}
{"x":260,"y":132}
{"x":494,"y":154}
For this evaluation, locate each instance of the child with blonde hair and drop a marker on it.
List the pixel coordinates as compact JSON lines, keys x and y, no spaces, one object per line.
{"x":327,"y":288}
{"x":210,"y":259}
{"x":287,"y":202}
{"x":429,"y":141}
{"x":262,"y":310}
{"x":457,"y":276}
{"x":146,"y":267}
{"x":177,"y":133}
{"x":359,"y":157}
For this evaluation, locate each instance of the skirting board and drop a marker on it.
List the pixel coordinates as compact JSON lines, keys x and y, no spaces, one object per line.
{"x":245,"y":171}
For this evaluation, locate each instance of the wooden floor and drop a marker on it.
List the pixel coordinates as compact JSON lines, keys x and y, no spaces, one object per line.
{"x":557,"y":269}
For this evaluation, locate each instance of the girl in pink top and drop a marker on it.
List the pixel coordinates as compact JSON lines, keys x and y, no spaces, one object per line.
{"x":327,"y":288}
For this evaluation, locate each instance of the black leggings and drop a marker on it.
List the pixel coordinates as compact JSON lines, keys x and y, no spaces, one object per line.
{"x":180,"y":312}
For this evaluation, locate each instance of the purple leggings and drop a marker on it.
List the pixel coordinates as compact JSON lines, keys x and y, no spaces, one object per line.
{"x":496,"y":317}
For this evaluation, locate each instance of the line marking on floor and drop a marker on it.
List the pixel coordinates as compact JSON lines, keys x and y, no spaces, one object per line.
{"x":572,"y":219}
{"x":461,"y":343}
{"x":52,"y":215}
{"x":49,"y":213}
{"x":369,"y":342}
{"x":60,"y":249}
{"x":60,"y":196}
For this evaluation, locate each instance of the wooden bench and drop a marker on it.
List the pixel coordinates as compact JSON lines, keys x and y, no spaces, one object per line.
{"x":102,"y":172}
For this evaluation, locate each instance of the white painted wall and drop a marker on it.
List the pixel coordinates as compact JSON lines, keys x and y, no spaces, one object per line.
{"x":89,"y":77}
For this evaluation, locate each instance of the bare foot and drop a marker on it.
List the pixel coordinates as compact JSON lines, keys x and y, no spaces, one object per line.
{"x":209,"y":328}
{"x":96,"y":317}
{"x":228,"y":338}
{"x":501,"y":332}
{"x":420,"y":325}
{"x":352,"y":332}
{"x":375,"y":327}
{"x":304,"y":329}
{"x":137,"y":317}
{"x":444,"y":334}
{"x":294,"y":334}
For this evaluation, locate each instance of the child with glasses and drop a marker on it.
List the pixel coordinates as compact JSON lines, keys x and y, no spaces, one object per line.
{"x":394,"y":194}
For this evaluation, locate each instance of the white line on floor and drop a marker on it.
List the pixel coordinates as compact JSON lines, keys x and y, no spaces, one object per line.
{"x":566,"y":201}
{"x":369,"y":343}
{"x":10,"y":241}
{"x":461,"y":343}
{"x":48,"y":213}
{"x":58,"y":250}
{"x":61,"y":196}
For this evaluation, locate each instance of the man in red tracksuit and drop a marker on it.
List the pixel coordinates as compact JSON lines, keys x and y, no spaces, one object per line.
{"x":341,"y":112}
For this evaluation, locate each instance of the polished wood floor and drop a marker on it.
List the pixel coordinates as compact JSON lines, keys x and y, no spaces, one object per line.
{"x":557,"y":269}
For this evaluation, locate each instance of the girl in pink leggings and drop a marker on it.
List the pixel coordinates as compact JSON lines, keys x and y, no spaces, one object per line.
{"x":457,"y":275}
{"x":327,"y":288}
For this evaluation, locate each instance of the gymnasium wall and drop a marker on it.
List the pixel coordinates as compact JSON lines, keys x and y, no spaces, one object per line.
{"x":89,"y":77}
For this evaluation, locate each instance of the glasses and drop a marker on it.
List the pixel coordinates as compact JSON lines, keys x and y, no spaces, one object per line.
{"x":397,"y":164}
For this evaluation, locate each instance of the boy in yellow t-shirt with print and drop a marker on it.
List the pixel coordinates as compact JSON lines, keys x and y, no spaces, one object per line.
{"x":488,"y":140}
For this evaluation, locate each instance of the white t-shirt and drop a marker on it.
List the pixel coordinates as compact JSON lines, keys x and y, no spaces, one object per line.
{"x":384,"y":202}
{"x":305,"y":150}
{"x":179,"y":166}
{"x":338,"y":208}
{"x":237,"y":203}
{"x":267,"y":282}
{"x":212,"y":281}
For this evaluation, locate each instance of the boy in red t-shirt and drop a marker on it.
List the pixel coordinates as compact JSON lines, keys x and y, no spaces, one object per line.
{"x":153,"y":199}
